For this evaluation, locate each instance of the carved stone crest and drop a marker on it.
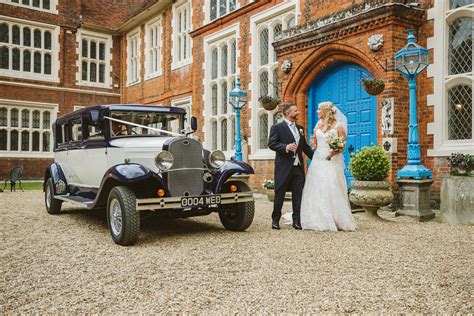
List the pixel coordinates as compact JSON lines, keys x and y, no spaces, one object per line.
{"x":375,"y":42}
{"x":286,"y":66}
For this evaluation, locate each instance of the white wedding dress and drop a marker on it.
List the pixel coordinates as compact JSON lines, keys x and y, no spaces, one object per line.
{"x":325,"y":203}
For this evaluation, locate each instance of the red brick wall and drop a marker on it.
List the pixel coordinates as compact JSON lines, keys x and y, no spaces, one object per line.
{"x":68,"y":19}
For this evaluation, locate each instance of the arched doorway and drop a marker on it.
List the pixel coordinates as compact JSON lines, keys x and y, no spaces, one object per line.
{"x":339,"y":83}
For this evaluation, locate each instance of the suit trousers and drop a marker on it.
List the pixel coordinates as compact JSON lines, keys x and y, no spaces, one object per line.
{"x":294,"y":183}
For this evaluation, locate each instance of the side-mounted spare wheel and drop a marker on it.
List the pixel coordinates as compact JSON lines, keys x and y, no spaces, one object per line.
{"x":122,"y":216}
{"x":53,"y":206}
{"x":238,"y":216}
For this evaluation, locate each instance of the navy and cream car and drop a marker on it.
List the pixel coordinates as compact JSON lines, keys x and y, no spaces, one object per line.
{"x":132,"y":159}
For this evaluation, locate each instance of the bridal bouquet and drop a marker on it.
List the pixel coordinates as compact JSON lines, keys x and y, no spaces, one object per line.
{"x":336,"y":143}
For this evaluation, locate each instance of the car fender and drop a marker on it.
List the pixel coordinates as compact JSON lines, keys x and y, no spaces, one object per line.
{"x":55,"y":172}
{"x":126,"y":175}
{"x":230,"y":168}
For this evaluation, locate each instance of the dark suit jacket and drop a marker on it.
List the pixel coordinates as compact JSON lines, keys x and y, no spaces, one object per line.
{"x":280,"y":136}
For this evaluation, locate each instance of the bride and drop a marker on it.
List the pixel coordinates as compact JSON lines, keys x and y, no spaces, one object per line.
{"x":325,"y":204}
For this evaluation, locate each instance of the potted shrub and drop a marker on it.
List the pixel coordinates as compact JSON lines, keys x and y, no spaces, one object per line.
{"x":373,"y":86}
{"x":370,"y":167}
{"x":269,"y":187}
{"x":269,"y":103}
{"x":461,"y":164}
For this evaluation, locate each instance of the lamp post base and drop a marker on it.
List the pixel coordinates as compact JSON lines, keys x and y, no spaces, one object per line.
{"x":416,"y":172}
{"x":415,"y":199}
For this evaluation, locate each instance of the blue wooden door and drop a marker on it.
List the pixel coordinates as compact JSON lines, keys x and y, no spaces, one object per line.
{"x":339,"y":84}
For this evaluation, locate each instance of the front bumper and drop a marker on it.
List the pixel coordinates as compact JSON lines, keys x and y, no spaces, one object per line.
{"x":166,"y":203}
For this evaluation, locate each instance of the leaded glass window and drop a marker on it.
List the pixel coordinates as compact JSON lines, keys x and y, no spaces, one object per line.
{"x":14,"y":117}
{"x":224,"y":98}
{"x":46,"y":120}
{"x":460,"y":113}
{"x":214,"y":99}
{"x":3,"y":139}
{"x":214,"y":64}
{"x":219,"y":8}
{"x":264,"y":47}
{"x":25,"y":141}
{"x":454,"y":4}
{"x":264,"y":83}
{"x":214,"y":135}
{"x":221,"y":77}
{"x":36,"y":119}
{"x":25,"y":118}
{"x":233,"y":57}
{"x":224,"y":135}
{"x":14,"y":140}
{"x":46,"y":141}
{"x":265,"y":79}
{"x":3,"y":116}
{"x":181,"y":28}
{"x":93,"y":63}
{"x":460,"y":46}
{"x":28,"y":136}
{"x":224,"y":60}
{"x":263,"y":126}
{"x":36,"y":141}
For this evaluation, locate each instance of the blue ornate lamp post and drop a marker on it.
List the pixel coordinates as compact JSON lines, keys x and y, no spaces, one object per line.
{"x":238,"y":98}
{"x":410,"y":61}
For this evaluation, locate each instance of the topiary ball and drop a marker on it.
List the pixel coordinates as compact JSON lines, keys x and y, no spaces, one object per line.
{"x":370,"y":164}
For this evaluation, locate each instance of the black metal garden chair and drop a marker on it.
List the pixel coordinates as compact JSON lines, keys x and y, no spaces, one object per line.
{"x":14,"y":177}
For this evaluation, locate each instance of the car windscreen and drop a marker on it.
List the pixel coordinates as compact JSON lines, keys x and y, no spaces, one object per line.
{"x":172,"y":122}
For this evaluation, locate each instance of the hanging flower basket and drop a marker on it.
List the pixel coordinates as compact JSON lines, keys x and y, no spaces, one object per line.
{"x":269,"y":103}
{"x":373,"y":86}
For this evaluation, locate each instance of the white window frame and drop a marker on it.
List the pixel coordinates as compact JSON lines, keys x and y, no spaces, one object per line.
{"x":185,"y":103}
{"x":54,"y":51}
{"x":442,"y":82}
{"x":268,"y":18}
{"x":53,"y":5}
{"x":98,"y":38}
{"x":30,"y":106}
{"x":207,"y":10}
{"x":227,"y":35}
{"x":133,"y":36}
{"x":153,"y":53}
{"x":177,"y":60}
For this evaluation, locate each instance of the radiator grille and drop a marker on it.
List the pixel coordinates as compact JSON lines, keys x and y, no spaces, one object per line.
{"x":187,"y":153}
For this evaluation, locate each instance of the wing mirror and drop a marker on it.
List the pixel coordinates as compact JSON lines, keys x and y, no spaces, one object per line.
{"x":194,"y":124}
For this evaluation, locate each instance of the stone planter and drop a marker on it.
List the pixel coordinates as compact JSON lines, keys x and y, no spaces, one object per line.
{"x":371,"y":195}
{"x":457,"y":200}
{"x":270,"y":194}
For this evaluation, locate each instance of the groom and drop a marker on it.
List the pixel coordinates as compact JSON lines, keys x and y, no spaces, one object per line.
{"x":288,"y":141}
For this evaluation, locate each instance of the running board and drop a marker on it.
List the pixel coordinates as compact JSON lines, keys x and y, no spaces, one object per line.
{"x":77,"y":200}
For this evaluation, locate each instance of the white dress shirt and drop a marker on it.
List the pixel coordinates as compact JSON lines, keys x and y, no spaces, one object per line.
{"x":296,"y":135}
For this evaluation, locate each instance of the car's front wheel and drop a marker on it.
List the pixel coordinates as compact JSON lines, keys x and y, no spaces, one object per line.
{"x":122,"y":217}
{"x":238,"y":216}
{"x":53,"y":206}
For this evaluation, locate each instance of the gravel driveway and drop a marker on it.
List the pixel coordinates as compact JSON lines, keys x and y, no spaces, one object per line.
{"x":69,"y":263}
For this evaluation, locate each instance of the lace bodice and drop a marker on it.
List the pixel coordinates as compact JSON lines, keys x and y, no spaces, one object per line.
{"x":322,"y":136}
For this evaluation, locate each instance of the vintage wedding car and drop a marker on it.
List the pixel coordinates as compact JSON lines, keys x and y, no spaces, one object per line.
{"x":133,"y":159}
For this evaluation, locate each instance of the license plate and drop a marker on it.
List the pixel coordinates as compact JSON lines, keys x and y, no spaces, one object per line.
{"x":196,"y":201}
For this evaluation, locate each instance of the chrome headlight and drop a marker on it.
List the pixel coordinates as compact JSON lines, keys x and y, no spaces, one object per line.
{"x":164,"y":160}
{"x":217,"y":159}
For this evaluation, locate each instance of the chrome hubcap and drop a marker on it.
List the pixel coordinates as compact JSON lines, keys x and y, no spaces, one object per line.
{"x":48,"y":196}
{"x":115,"y":213}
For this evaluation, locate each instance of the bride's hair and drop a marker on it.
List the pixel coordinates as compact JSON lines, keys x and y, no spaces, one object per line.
{"x":327,"y":107}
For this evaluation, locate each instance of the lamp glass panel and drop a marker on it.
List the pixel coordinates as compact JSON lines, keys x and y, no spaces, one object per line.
{"x":411,"y":62}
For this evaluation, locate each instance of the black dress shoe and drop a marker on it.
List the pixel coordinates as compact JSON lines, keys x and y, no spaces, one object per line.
{"x":275,"y":225}
{"x":297,"y":226}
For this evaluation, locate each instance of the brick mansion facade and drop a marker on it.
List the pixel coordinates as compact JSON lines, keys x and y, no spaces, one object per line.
{"x":58,"y":55}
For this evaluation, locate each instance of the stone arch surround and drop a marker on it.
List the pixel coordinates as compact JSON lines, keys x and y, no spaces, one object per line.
{"x":303,"y":76}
